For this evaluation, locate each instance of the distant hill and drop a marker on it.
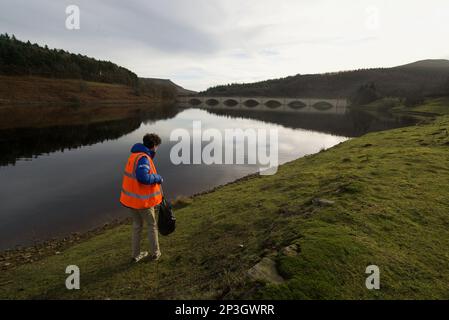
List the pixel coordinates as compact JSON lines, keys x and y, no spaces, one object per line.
{"x":426,"y":78}
{"x":167,"y":82}
{"x":437,"y":64}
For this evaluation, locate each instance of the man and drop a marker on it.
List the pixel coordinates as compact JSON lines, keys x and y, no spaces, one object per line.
{"x":141,"y":192}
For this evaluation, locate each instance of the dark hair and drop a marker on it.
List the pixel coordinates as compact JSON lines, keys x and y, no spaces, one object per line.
{"x":151,"y":140}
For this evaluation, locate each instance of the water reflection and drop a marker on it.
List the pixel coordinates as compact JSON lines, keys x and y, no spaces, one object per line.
{"x":353,"y":123}
{"x":30,"y":142}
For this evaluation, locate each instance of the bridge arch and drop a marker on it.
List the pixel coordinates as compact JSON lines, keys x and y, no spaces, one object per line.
{"x":273,"y":104}
{"x":251,"y":103}
{"x":297,"y":104}
{"x":323,"y":106}
{"x":212,"y":102}
{"x":230,"y":102}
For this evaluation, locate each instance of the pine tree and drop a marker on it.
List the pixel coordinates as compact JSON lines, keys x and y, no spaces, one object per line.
{"x":20,"y":58}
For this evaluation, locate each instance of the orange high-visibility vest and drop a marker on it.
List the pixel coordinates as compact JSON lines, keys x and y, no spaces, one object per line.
{"x":137,"y":195}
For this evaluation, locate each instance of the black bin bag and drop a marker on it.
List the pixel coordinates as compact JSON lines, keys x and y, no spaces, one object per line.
{"x":166,"y":219}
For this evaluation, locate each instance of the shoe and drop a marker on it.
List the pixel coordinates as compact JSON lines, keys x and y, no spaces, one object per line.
{"x":156,"y":257}
{"x":141,"y":256}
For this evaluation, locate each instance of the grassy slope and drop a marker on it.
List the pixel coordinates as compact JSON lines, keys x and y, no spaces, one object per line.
{"x":432,"y":107}
{"x":391,"y":209}
{"x":435,"y":106}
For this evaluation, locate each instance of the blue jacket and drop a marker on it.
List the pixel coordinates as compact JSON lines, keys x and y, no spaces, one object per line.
{"x":143,"y":166}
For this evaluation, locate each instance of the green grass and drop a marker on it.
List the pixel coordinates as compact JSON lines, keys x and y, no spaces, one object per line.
{"x":429,"y":109}
{"x":438,"y":106}
{"x":391,"y":209}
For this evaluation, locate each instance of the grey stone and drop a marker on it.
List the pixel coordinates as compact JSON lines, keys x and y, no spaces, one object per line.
{"x":265,"y":271}
{"x":322,"y":202}
{"x":290,"y":251}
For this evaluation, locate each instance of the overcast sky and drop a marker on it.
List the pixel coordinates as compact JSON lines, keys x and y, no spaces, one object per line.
{"x":200,"y":43}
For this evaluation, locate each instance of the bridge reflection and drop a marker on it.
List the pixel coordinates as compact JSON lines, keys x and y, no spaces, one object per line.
{"x":297,"y":105}
{"x":353,"y":123}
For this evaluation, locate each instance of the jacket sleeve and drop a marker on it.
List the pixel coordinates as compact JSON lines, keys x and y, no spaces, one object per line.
{"x":143,"y":175}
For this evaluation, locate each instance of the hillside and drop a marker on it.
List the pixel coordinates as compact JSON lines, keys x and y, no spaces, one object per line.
{"x":426,"y":78}
{"x":167,"y":82}
{"x":315,"y":226}
{"x":31,"y":73}
{"x":16,"y":90}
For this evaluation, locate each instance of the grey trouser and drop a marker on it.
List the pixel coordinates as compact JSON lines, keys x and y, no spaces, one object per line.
{"x":149,"y":216}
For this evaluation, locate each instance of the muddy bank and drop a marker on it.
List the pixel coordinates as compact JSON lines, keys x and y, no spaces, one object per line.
{"x":23,"y":255}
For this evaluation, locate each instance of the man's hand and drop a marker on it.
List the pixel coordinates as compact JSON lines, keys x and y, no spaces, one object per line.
{"x":159,"y":179}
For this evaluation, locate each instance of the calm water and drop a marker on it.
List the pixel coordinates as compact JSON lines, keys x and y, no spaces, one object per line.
{"x":67,"y":179}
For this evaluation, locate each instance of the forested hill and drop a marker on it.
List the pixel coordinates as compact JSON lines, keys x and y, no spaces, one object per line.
{"x":427,"y":77}
{"x":24,"y":58}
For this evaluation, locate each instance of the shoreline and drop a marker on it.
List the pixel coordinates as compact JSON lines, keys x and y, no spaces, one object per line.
{"x":11,"y":258}
{"x":35,"y":90}
{"x":102,"y":103}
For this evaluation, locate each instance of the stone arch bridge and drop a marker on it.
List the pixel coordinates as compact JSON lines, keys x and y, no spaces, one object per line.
{"x":299,"y":105}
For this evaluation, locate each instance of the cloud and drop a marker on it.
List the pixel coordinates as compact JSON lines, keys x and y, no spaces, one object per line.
{"x":134,"y":22}
{"x":200,"y":43}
